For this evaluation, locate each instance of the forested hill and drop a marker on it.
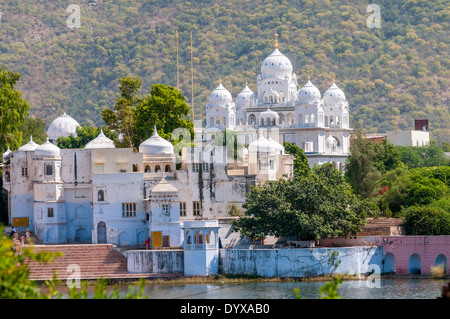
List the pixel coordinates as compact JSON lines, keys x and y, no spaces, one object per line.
{"x":390,"y":75}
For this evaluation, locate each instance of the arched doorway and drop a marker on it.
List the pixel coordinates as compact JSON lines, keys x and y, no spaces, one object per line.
{"x":415,"y":264}
{"x":442,"y":260}
{"x":389,"y":263}
{"x":81,"y":235}
{"x":101,"y":233}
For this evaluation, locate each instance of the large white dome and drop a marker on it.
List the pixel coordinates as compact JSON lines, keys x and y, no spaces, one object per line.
{"x":276,"y":65}
{"x":220,"y":96}
{"x":308,"y":93}
{"x":101,"y":141}
{"x":63,"y":125}
{"x":156,"y":145}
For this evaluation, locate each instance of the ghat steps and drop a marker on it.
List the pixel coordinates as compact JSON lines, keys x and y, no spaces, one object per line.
{"x":94,"y":261}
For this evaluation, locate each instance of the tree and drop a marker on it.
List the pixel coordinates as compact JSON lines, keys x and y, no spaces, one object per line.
{"x":426,"y":220}
{"x":164,"y":107}
{"x":423,"y":156}
{"x":301,"y":165}
{"x":13,"y":111}
{"x":367,"y":163}
{"x":85,"y":134}
{"x":135,"y":116}
{"x":317,"y":206}
{"x":122,"y":118}
{"x":34,"y":127}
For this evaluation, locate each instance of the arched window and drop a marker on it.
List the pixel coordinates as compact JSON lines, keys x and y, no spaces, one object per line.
{"x":306,"y":119}
{"x":147,"y":169}
{"x":282,"y":99}
{"x":211,"y":122}
{"x":326,"y":121}
{"x":268,"y":121}
{"x":157,"y":168}
{"x":262,"y":122}
{"x":313,"y":119}
{"x":167,"y":168}
{"x":7,"y":177}
{"x":337,"y":121}
{"x":252,"y":119}
{"x":331,"y":121}
{"x":281,"y":120}
{"x":300,"y":120}
{"x":101,"y":195}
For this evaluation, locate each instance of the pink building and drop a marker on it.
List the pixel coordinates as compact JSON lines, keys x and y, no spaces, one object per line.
{"x":414,"y":254}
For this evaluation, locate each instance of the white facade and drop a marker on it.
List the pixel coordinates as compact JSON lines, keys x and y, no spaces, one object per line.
{"x":103,"y":194}
{"x":409,"y":138}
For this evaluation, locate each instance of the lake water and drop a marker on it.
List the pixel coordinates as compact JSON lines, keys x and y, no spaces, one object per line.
{"x":354,"y":289}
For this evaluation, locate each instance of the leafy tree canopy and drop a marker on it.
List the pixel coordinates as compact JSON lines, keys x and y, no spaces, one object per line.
{"x":13,"y":110}
{"x":317,"y":206}
{"x":85,"y":134}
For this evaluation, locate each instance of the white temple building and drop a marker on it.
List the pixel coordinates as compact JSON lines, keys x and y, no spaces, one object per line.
{"x":104,"y":194}
{"x":319,"y":125}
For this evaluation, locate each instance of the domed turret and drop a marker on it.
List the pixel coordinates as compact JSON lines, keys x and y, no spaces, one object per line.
{"x":270,"y":115}
{"x":63,"y":125}
{"x":101,"y":141}
{"x":308,"y":93}
{"x":220,"y":96}
{"x":30,"y":146}
{"x":244,"y":97}
{"x":156,"y":145}
{"x":48,"y":150}
{"x":277,"y":147}
{"x":7,"y":155}
{"x":333,"y":95}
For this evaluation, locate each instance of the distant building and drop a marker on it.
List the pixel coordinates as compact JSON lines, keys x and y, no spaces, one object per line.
{"x":418,"y":137}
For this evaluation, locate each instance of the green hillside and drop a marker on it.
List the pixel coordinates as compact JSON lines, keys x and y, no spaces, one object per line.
{"x":390,"y":75}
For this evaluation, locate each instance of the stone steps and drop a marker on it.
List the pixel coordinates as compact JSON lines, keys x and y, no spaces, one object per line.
{"x":95,"y":261}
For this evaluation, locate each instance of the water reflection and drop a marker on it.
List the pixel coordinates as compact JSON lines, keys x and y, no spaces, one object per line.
{"x":358,"y":289}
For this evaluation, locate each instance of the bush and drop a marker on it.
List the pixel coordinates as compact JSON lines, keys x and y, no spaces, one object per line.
{"x":426,"y":220}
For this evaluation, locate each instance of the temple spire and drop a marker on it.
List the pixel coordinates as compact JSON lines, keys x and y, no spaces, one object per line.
{"x":276,"y":40}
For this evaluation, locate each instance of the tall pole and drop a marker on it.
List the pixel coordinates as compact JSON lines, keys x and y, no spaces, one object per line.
{"x":178,"y":71}
{"x":192,"y":83}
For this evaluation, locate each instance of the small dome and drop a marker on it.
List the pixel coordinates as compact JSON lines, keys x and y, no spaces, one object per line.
{"x":156,"y":145}
{"x":244,"y":97}
{"x":277,"y":147}
{"x":261,"y":145}
{"x":30,"y":146}
{"x":269,"y":114}
{"x":47,"y":149}
{"x":7,"y":155}
{"x":220,"y":96}
{"x":101,"y":141}
{"x":164,"y":187}
{"x":276,"y":65}
{"x":333,"y":95}
{"x":308,"y":93}
{"x":63,"y":125}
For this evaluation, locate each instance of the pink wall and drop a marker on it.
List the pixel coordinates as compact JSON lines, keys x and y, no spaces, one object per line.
{"x":427,"y":247}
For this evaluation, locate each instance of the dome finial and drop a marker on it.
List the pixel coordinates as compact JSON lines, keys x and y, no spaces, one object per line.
{"x":334,"y":78}
{"x":276,"y":40}
{"x":246,"y":84}
{"x":155,"y":131}
{"x":309,"y":74}
{"x":220,"y":79}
